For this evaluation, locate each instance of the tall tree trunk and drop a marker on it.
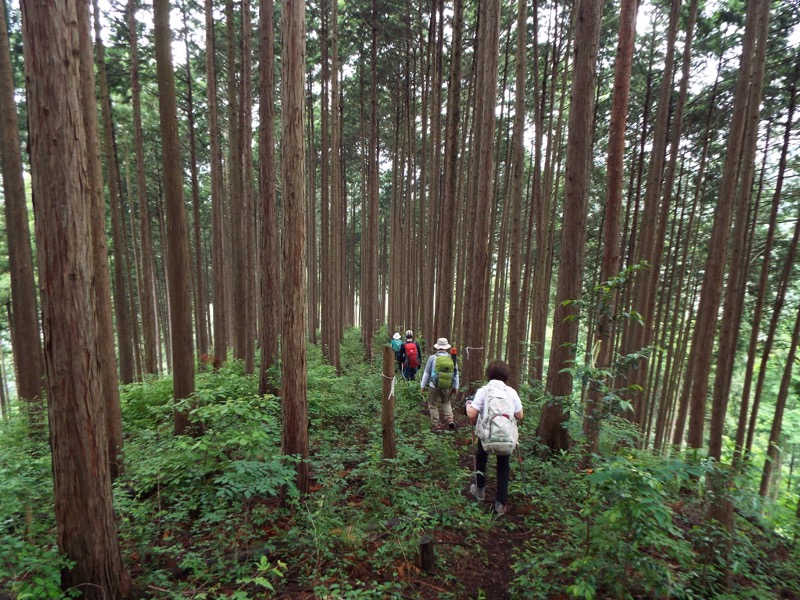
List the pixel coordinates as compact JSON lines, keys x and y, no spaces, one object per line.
{"x":427,"y":250}
{"x":293,"y":346}
{"x":26,"y":347}
{"x":477,"y":294}
{"x":611,"y":235}
{"x":646,"y":245}
{"x":102,"y":282}
{"x":748,"y":90}
{"x":56,"y":35}
{"x":679,"y":424}
{"x":178,"y":278}
{"x":326,"y":247}
{"x":369,"y":253}
{"x":738,"y":267}
{"x":122,"y":310}
{"x":270,"y":272}
{"x":516,"y":318}
{"x":147,"y":286}
{"x":237,"y":277}
{"x":199,"y":279}
{"x":248,"y":213}
{"x":132,"y":266}
{"x":656,"y":248}
{"x":162,"y":287}
{"x":773,"y":451}
{"x":217,"y":219}
{"x":312,"y":256}
{"x":777,"y":307}
{"x":573,"y":233}
{"x":443,"y":315}
{"x":765,"y":268}
{"x":338,"y":200}
{"x":544,"y":218}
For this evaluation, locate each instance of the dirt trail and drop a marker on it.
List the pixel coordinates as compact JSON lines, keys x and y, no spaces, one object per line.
{"x":478,"y":575}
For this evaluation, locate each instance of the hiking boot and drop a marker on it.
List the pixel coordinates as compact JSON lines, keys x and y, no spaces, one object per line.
{"x":499,"y":508}
{"x":451,"y":425}
{"x":438,"y":428}
{"x":479,"y":493}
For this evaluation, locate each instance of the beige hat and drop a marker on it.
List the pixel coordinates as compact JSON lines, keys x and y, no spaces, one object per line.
{"x":441,"y":344}
{"x":396,"y":336}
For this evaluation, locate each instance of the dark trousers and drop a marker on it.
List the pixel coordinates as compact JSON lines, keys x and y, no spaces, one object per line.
{"x":503,"y":469}
{"x":409,"y":373}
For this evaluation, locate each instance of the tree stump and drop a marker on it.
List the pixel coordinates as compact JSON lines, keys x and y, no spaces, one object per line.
{"x":427,"y":556}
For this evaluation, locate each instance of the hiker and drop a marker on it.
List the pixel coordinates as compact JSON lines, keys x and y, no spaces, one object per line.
{"x":494,"y":410}
{"x":411,"y":356}
{"x":397,"y":346}
{"x":439,"y":379}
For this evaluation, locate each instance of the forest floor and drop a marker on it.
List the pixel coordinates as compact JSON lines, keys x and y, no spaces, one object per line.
{"x":219,"y":516}
{"x":470,"y":564}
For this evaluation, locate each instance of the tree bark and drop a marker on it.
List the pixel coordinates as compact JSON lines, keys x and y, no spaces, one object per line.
{"x":293,"y":346}
{"x":764,"y":274}
{"x":122,"y":311}
{"x":102,"y":285}
{"x":217,"y":219}
{"x":26,"y":346}
{"x":147,"y":286}
{"x":326,"y":247}
{"x":477,"y":292}
{"x":270,"y":271}
{"x":747,"y":90}
{"x":338,"y":200}
{"x":612,"y":234}
{"x":248,"y":213}
{"x":646,"y":245}
{"x":544,"y":216}
{"x":370,"y":251}
{"x":738,"y":267}
{"x":773,"y":450}
{"x":443,"y":314}
{"x":178,"y":279}
{"x":312,"y":256}
{"x":57,"y":59}
{"x":573,"y":233}
{"x":777,"y":308}
{"x":199,"y":279}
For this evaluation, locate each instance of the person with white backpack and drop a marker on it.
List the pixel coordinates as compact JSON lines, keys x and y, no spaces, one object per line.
{"x":495,"y":410}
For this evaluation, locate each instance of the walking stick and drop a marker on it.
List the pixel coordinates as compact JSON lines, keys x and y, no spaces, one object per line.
{"x":521,"y":470}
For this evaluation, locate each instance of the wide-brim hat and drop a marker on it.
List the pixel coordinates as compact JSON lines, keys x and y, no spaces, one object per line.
{"x":441,"y":344}
{"x":396,"y":336}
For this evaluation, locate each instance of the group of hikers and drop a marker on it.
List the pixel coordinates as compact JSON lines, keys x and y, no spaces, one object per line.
{"x":494,"y":410}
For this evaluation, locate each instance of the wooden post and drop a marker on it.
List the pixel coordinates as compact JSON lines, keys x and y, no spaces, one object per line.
{"x":387,"y":404}
{"x":427,"y":557}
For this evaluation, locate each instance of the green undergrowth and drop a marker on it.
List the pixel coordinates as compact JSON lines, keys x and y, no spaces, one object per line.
{"x":219,"y":516}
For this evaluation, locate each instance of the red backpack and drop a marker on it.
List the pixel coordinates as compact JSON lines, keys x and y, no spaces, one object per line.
{"x":412,"y":358}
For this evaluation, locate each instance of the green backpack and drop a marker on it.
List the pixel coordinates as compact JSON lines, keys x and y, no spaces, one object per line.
{"x":443,"y":370}
{"x":396,"y":345}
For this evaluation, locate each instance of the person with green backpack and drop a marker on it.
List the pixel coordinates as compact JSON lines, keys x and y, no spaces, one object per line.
{"x":439,"y":379}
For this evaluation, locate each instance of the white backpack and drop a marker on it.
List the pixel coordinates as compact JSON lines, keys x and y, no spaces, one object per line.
{"x":498,"y":429}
